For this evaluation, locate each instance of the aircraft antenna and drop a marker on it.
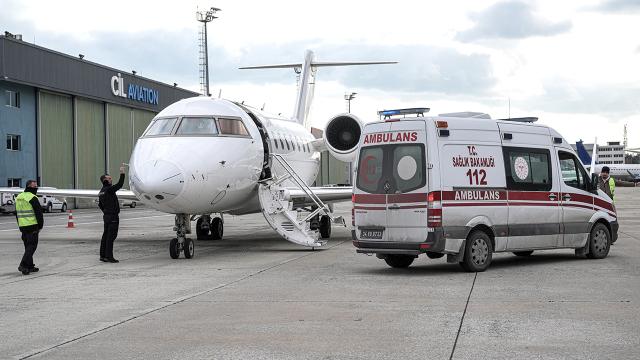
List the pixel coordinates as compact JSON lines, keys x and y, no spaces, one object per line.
{"x":205,"y":17}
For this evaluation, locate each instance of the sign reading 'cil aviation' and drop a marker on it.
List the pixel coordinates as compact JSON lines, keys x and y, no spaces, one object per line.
{"x":133,"y":92}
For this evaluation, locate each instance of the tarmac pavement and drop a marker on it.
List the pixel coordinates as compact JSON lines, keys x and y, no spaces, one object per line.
{"x":256,"y":296}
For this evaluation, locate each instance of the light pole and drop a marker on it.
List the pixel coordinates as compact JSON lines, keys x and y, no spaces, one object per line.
{"x":348,"y":98}
{"x":204,"y":18}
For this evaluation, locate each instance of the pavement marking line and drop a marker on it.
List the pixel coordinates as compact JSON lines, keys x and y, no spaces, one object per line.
{"x":455,"y":343}
{"x":629,"y":235}
{"x":98,"y":222}
{"x":189,"y":297}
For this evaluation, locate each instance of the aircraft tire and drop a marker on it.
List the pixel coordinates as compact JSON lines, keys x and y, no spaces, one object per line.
{"x":217,"y":228}
{"x":202,"y":234}
{"x":189,"y":248}
{"x":325,"y":227}
{"x":174,"y":252}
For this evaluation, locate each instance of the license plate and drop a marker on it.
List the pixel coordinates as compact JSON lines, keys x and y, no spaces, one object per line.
{"x":371,"y":234}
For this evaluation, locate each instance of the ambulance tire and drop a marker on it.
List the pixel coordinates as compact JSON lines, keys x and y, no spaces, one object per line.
{"x":478,"y":252}
{"x":399,"y":261}
{"x":325,"y":227}
{"x":434,"y":255}
{"x":523,"y":253}
{"x":599,"y":242}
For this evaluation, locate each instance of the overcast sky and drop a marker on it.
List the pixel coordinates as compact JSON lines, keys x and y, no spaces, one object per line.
{"x":574,"y":64}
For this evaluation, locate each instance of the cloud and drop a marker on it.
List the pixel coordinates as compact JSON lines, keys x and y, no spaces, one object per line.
{"x":510,"y":20}
{"x":618,"y":6}
{"x":612,"y":100}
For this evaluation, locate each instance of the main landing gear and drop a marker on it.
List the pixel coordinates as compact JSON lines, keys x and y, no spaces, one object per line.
{"x":181,"y":243}
{"x":208,"y":228}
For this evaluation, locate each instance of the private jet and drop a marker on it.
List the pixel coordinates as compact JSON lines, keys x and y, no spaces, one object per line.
{"x":202,"y":157}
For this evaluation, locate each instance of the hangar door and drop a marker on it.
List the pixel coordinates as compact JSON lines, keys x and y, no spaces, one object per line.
{"x":56,"y":140}
{"x":90,"y":146}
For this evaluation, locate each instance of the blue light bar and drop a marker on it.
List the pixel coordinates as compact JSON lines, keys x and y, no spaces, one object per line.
{"x":409,"y":111}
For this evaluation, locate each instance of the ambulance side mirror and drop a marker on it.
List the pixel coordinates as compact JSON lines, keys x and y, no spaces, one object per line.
{"x":594,"y":183}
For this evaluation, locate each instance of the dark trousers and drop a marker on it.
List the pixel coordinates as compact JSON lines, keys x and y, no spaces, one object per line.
{"x":111,"y":223}
{"x":30,"y":240}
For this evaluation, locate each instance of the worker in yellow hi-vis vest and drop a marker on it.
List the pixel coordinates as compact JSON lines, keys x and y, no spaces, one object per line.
{"x":30,"y":221}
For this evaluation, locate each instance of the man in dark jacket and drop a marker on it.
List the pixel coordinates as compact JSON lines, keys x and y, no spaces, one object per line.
{"x":108,"y":203}
{"x":30,"y":221}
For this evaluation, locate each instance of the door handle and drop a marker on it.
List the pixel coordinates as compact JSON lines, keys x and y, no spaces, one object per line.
{"x":566,"y":197}
{"x":394,"y":207}
{"x":553,"y":196}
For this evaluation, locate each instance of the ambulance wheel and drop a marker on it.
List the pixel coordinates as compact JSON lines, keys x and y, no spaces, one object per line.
{"x":325,"y":227}
{"x":217,"y":228}
{"x":477,"y":252}
{"x":201,"y":232}
{"x":523,"y":253}
{"x":434,"y":255}
{"x":189,"y":248}
{"x":399,"y":261}
{"x":599,"y":242}
{"x":174,"y":251}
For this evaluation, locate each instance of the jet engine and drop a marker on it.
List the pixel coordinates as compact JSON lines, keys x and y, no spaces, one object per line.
{"x":342,"y":135}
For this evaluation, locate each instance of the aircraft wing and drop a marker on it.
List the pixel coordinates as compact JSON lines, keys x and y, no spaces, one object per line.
{"x":319,"y":145}
{"x":78,"y":193}
{"x":327,"y":194}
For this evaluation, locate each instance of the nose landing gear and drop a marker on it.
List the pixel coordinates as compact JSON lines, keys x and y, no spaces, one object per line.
{"x":181,"y":243}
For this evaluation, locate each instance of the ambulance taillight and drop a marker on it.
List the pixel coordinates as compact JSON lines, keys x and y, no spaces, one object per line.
{"x":353,"y":210}
{"x":434,"y":209}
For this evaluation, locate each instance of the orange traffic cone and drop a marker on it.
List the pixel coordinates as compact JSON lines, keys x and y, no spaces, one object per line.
{"x":70,"y":223}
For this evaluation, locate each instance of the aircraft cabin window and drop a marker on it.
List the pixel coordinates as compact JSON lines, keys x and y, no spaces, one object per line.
{"x":232,"y":127}
{"x":161,"y":127}
{"x":197,"y":126}
{"x":275,"y":143}
{"x":286,"y":141}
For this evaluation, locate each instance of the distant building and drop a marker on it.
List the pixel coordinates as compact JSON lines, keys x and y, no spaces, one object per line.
{"x":612,"y":153}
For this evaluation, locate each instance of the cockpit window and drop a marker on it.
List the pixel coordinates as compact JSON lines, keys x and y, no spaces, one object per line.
{"x":197,"y":126}
{"x":161,"y":127}
{"x":232,"y":127}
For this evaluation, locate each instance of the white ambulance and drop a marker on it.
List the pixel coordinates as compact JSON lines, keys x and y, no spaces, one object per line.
{"x":467,"y":186}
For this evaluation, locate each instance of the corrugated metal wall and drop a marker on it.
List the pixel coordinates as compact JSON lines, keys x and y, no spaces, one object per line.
{"x":56,"y":140}
{"x":120,"y":127}
{"x":90,"y":146}
{"x":141,"y":120}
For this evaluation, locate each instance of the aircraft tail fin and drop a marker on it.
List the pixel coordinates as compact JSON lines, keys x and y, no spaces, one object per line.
{"x":306,"y":82}
{"x":593,"y":156}
{"x":582,"y":153}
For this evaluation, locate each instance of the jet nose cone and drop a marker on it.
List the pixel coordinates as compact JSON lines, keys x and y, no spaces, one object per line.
{"x":157,"y":181}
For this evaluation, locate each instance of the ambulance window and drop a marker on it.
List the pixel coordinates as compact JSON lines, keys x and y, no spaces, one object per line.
{"x":572,"y":173}
{"x":370,"y":169}
{"x":528,"y":169}
{"x":161,"y":127}
{"x":408,"y":169}
{"x":232,"y":127}
{"x":197,"y":126}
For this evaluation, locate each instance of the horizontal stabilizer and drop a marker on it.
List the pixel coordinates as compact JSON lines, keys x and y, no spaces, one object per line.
{"x":318,"y":64}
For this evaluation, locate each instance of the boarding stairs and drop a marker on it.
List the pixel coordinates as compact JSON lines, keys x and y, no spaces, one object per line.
{"x":278,"y":206}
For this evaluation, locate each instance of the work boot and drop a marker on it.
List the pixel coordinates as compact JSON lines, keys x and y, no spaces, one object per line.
{"x":23,"y":270}
{"x":34,"y":269}
{"x":104,"y":259}
{"x":112,"y":260}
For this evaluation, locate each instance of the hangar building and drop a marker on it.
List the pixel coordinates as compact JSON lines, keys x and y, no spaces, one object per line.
{"x":67,"y":120}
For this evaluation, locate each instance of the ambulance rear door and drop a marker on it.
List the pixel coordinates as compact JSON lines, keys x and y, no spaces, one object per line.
{"x":405,"y":181}
{"x":369,"y":195}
